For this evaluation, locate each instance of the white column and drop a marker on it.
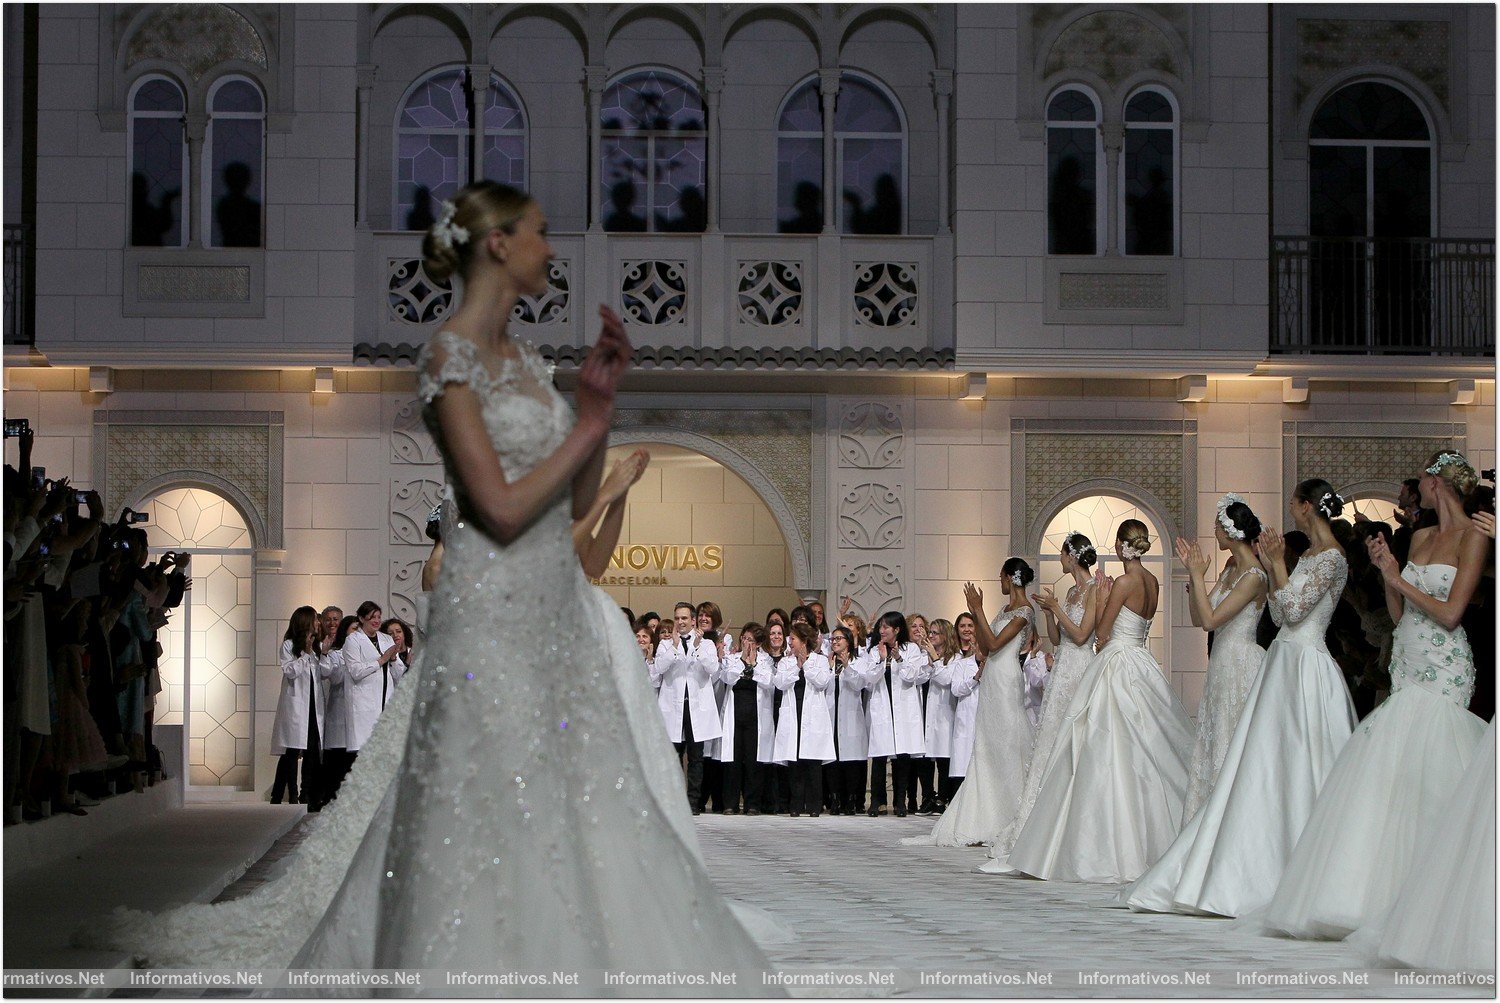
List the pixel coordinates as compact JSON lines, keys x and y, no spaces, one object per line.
{"x":828,"y":89}
{"x":194,"y":218}
{"x":364,"y":79}
{"x":1113,"y":134}
{"x":713,"y":86}
{"x":595,"y":76}
{"x":942,"y":91}
{"x":479,"y":93}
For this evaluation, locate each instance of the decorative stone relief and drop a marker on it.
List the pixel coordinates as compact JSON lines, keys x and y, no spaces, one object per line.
{"x":872,"y":588}
{"x":412,"y":501}
{"x":871,"y":516}
{"x":1115,"y":44}
{"x":885,"y":293}
{"x":405,"y":586}
{"x":1345,"y":460}
{"x":770,"y":292}
{"x":551,"y":307}
{"x":1113,"y":291}
{"x":193,"y":284}
{"x":654,"y":292}
{"x":413,"y":295}
{"x":198,"y":37}
{"x":870,"y":437}
{"x":410,"y":440}
{"x":1329,"y":45}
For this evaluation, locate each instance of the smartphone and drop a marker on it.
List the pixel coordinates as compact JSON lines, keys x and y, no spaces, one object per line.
{"x":80,"y":497}
{"x":17,"y":426}
{"x":38,"y":477}
{"x":135,"y":516}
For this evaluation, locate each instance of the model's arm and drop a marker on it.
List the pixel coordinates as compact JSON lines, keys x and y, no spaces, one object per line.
{"x":1121,"y":588}
{"x":1474,"y":552}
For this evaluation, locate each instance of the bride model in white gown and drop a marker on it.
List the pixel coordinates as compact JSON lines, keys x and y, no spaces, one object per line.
{"x":991,"y":791}
{"x":531,"y":823}
{"x":1070,"y":626}
{"x":1232,"y":611}
{"x":1111,"y":799}
{"x":1230,"y":856}
{"x":1404,"y":761}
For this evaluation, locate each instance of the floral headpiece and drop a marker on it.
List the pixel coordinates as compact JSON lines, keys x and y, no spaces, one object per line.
{"x":436,"y":514}
{"x":445,"y":231}
{"x":1019,"y":578}
{"x":1129,"y":552}
{"x":1078,"y":553}
{"x":1230,"y":529}
{"x":1327,"y":503}
{"x":1446,"y":460}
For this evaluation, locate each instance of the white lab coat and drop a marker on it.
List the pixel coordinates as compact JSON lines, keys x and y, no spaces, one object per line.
{"x":367,"y":681}
{"x":850,"y":723}
{"x":299,"y":677}
{"x":940,"y":707}
{"x":712,"y":747}
{"x":966,"y":692}
{"x":804,"y":732}
{"x":895,"y":714}
{"x":687,"y":675}
{"x":765,"y":688}
{"x":340,"y":702}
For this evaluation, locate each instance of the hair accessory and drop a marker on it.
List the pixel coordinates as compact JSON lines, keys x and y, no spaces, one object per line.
{"x":1327,"y":502}
{"x":1230,"y":529}
{"x":445,"y":231}
{"x":1446,"y":460}
{"x":1019,"y":578}
{"x":1129,"y":552}
{"x":436,"y":514}
{"x":1078,"y":553}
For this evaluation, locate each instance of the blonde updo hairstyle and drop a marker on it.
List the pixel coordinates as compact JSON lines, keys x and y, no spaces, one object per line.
{"x":1460,"y":475}
{"x":1134,"y":533}
{"x":478,"y":208}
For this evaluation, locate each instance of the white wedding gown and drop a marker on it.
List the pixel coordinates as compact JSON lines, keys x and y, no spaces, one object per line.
{"x":518,"y":806}
{"x":1069,"y":667}
{"x":991,"y":792}
{"x":1229,"y":857}
{"x":1394,"y":774}
{"x":1111,"y":799}
{"x":1232,"y":667}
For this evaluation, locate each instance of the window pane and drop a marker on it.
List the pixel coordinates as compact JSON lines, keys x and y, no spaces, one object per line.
{"x":803,"y":112}
{"x":505,"y":160}
{"x":237,"y":95}
{"x":1148,"y":191}
{"x":623,"y":179}
{"x":503,"y":110}
{"x":1402,"y":188}
{"x":1071,"y":186}
{"x":863,"y":107}
{"x":428,"y":170}
{"x":236,"y":190}
{"x":1368,"y":111}
{"x":1336,"y":180}
{"x":439,"y":103}
{"x":799,"y":185}
{"x":158,"y":95}
{"x":1071,"y":106}
{"x":871,"y":186}
{"x":156,"y":183}
{"x":1148,"y":106}
{"x":680,"y":181}
{"x":652,"y":101}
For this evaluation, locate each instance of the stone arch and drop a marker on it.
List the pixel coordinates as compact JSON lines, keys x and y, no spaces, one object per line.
{"x":688,"y":19}
{"x":1438,"y":123}
{"x":1165,"y":58}
{"x":226,"y":489}
{"x":860,"y":15}
{"x":752,"y":475}
{"x":1381,"y":489}
{"x":744,"y":15}
{"x":569,"y":16}
{"x":450,"y":16}
{"x":1101,"y":486}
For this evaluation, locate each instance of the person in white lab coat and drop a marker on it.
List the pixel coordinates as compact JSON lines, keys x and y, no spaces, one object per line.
{"x":685,"y":666}
{"x":645,"y":636}
{"x":942,"y":652}
{"x":804,"y":732}
{"x":777,"y":799}
{"x":749,"y":729}
{"x":844,"y":779}
{"x":966,"y":671}
{"x":371,"y":667}
{"x":298,"y":727}
{"x":895,"y":668}
{"x":340,"y":711}
{"x":710,"y":620}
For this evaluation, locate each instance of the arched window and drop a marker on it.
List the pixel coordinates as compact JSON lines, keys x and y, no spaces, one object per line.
{"x":158,"y":164}
{"x":1371,"y":165}
{"x":1074,"y":169}
{"x":654,"y":156}
{"x":869,"y":159}
{"x":235,"y":154}
{"x":435,"y":141}
{"x":1148,"y":187}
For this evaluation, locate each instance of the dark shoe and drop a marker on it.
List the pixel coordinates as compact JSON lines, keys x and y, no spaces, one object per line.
{"x":697,"y":811}
{"x":900,"y":812}
{"x":813,"y":814}
{"x":929,"y":807}
{"x":874,"y":812}
{"x":752,"y":811}
{"x":796,"y":814}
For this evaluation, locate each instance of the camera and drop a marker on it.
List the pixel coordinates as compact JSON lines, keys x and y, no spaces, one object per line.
{"x":132,"y":516}
{"x":80,"y":497}
{"x":1487,"y":475}
{"x":17,"y":426}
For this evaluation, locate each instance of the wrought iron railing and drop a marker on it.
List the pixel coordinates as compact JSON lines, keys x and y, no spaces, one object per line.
{"x":19,"y":329}
{"x":1385,"y":295}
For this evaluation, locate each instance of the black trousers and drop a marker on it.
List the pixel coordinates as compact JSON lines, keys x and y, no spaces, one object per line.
{"x":844,"y":786}
{"x":743,"y":774}
{"x":926,"y":771}
{"x":312,"y":757}
{"x":807,"y":786}
{"x":903,"y":784}
{"x":694,"y":752}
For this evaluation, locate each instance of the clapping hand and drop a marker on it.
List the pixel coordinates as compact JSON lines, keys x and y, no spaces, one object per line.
{"x":1191,"y":556}
{"x":1485,"y":523}
{"x":1382,"y":558}
{"x":599,"y":376}
{"x":624,"y":474}
{"x":845,"y":605}
{"x":974,"y":596}
{"x":1047,"y":600}
{"x":1271,"y":549}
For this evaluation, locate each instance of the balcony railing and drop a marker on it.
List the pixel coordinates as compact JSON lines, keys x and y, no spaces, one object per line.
{"x":19,"y":329}
{"x":1387,"y":295}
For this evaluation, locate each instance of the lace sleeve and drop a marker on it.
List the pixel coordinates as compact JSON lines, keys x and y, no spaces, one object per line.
{"x":446,"y":359}
{"x":1325,"y":573}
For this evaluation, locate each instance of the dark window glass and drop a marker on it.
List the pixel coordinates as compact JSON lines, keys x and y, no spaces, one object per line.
{"x":157,"y":144}
{"x":1072,"y":221}
{"x":1369,"y":111}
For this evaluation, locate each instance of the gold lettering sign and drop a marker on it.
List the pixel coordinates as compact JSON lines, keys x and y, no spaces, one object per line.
{"x":668,"y":557}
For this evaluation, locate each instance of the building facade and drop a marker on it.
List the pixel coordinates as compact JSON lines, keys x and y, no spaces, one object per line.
{"x":914,"y":288}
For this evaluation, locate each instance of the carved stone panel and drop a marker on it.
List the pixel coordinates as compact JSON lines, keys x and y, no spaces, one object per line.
{"x":1116,"y":45}
{"x":886,"y":293}
{"x":654,"y":292}
{"x":405,"y":586}
{"x":1351,"y":457}
{"x":871,"y":436}
{"x":197,"y":36}
{"x":410,"y":440}
{"x":871,"y":515}
{"x":873,"y":588}
{"x":412,"y":501}
{"x":1331,"y":45}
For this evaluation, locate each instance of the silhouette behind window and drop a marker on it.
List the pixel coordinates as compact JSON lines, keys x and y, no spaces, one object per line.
{"x":237,"y":213}
{"x":1070,"y":210}
{"x":622,"y":215}
{"x":807,"y":199}
{"x":150,"y":222}
{"x":420,"y":217}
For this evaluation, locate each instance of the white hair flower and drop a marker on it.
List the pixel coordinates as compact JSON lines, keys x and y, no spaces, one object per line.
{"x":1446,"y":460}
{"x":1129,"y":552}
{"x":1230,"y":529}
{"x":1019,"y":579}
{"x":1330,"y":502}
{"x":1079,"y":552}
{"x":445,"y":231}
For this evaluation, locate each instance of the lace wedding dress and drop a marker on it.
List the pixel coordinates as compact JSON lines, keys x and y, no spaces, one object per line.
{"x":1111,"y":798}
{"x":1229,"y":857}
{"x":1068,"y":670}
{"x":1232,"y":667}
{"x":516,"y":806}
{"x":1394,"y":774}
{"x":991,"y":792}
